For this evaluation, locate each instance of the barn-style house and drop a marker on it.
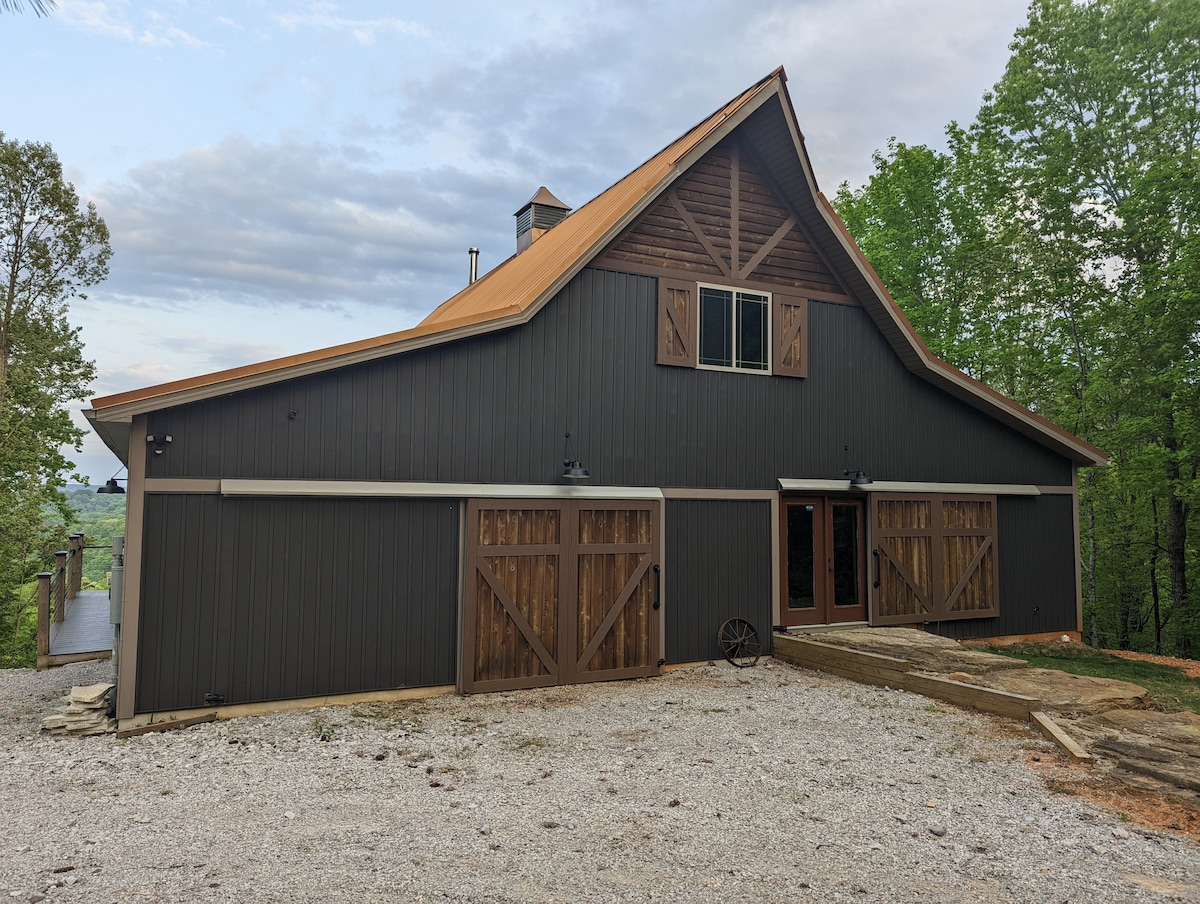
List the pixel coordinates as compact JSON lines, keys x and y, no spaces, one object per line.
{"x":754,"y":431}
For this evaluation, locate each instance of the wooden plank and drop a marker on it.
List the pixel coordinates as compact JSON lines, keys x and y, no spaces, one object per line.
{"x":52,"y":660}
{"x":43,"y":623}
{"x":1055,"y":733}
{"x":1002,"y":703}
{"x":873,"y":668}
{"x":832,"y":653}
{"x":167,"y":726}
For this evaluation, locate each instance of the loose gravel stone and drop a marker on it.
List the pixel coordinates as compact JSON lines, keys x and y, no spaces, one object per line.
{"x":709,"y":784}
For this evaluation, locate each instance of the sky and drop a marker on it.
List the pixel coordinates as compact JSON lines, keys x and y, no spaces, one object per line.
{"x":284,"y":176}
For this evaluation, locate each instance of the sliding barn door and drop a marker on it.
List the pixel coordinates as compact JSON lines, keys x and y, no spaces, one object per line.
{"x":616,"y":588}
{"x":935,"y":558}
{"x":560,"y":592}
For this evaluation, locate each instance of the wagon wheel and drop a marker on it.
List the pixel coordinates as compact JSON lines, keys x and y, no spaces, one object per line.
{"x":739,"y":642}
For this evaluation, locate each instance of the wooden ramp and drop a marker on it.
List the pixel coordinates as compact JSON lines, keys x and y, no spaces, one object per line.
{"x":891,"y":671}
{"x":84,"y":633}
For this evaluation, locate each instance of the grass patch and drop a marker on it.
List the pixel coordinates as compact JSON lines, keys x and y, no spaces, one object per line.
{"x":1169,"y":688}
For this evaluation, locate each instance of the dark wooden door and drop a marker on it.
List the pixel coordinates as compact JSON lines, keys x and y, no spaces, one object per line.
{"x":935,"y":558}
{"x":560,"y":592}
{"x":823,"y":560}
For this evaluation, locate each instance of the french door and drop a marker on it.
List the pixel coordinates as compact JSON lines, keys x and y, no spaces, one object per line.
{"x":824,"y":561}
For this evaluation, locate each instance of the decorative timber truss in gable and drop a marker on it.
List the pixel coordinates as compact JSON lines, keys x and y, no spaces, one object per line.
{"x":724,"y":220}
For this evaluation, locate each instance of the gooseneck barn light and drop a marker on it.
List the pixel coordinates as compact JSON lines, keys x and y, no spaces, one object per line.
{"x":111,"y":486}
{"x":573,"y":471}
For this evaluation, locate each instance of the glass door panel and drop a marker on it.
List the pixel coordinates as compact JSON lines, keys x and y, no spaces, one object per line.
{"x":801,"y":557}
{"x":824,"y":568}
{"x":846,"y":528}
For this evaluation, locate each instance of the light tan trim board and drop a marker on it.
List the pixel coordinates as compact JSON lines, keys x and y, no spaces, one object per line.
{"x":461,"y":600}
{"x":237,"y":710}
{"x":909,"y":486}
{"x":815,"y":485}
{"x":776,"y":566}
{"x":182,"y":485}
{"x":389,"y":488}
{"x":701,"y":493}
{"x":1057,"y":490}
{"x":131,"y":602}
{"x":1078,"y":552}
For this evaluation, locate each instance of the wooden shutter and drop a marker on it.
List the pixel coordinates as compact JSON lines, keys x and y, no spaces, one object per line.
{"x":935,"y":558}
{"x":789,"y":332}
{"x":677,"y":323}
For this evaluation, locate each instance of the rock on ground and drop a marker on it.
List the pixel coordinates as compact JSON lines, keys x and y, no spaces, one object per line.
{"x":709,"y":784}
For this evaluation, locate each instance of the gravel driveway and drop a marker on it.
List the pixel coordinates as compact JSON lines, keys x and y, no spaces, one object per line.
{"x":709,"y":784}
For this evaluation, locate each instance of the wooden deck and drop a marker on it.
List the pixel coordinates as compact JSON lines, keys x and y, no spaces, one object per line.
{"x":85,"y":632}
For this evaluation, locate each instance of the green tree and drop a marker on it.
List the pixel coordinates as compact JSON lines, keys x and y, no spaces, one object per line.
{"x":1099,"y":113}
{"x":51,"y":249}
{"x":39,"y":7}
{"x":1054,"y":252}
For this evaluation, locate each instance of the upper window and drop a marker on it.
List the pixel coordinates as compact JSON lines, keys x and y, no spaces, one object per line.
{"x":731,"y":329}
{"x":735,"y":329}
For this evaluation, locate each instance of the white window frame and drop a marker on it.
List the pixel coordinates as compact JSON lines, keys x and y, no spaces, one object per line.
{"x":770,"y":339}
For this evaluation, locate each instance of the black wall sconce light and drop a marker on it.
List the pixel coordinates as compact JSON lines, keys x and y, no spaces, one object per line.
{"x":160,"y":441}
{"x":573,"y":471}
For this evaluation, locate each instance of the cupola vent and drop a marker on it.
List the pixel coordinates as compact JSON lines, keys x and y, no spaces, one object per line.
{"x":541,"y":212}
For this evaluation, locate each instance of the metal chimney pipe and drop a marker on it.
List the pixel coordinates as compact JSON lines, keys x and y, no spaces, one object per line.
{"x":474,"y":252}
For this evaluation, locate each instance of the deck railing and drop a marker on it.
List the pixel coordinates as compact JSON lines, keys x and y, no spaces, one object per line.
{"x":56,"y":587}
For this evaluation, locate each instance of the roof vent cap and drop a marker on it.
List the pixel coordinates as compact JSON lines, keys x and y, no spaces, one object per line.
{"x":540,"y":212}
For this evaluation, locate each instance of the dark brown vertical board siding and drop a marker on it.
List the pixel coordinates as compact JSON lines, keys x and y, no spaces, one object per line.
{"x":1036,"y":562}
{"x":494,"y":409}
{"x":717,"y":566}
{"x":271,"y":599}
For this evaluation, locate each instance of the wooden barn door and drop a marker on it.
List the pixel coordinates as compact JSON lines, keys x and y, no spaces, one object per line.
{"x":616,"y":589}
{"x":559,"y":592}
{"x":935,"y":558}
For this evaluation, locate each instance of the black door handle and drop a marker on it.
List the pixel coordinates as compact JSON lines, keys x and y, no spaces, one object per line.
{"x":657,"y":587}
{"x":875,"y":553}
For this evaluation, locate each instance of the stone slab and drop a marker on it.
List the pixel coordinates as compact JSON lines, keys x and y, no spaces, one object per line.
{"x":1064,"y":693}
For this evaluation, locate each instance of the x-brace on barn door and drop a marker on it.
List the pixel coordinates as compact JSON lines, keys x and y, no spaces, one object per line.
{"x":560,"y":592}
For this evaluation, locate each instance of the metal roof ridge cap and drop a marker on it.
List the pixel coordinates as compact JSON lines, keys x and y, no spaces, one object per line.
{"x":729,"y":121}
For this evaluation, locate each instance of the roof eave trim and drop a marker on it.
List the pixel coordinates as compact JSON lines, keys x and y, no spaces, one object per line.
{"x":124,"y":410}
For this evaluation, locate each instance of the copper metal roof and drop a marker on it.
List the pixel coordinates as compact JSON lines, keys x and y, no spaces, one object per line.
{"x":516,"y":289}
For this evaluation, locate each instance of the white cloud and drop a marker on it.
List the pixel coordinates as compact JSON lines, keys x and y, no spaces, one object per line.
{"x":364,"y":31}
{"x":297,"y":223}
{"x":116,"y":21}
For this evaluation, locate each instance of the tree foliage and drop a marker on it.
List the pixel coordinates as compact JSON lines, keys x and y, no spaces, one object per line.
{"x":39,"y":7}
{"x":51,"y":249}
{"x":1054,"y":252}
